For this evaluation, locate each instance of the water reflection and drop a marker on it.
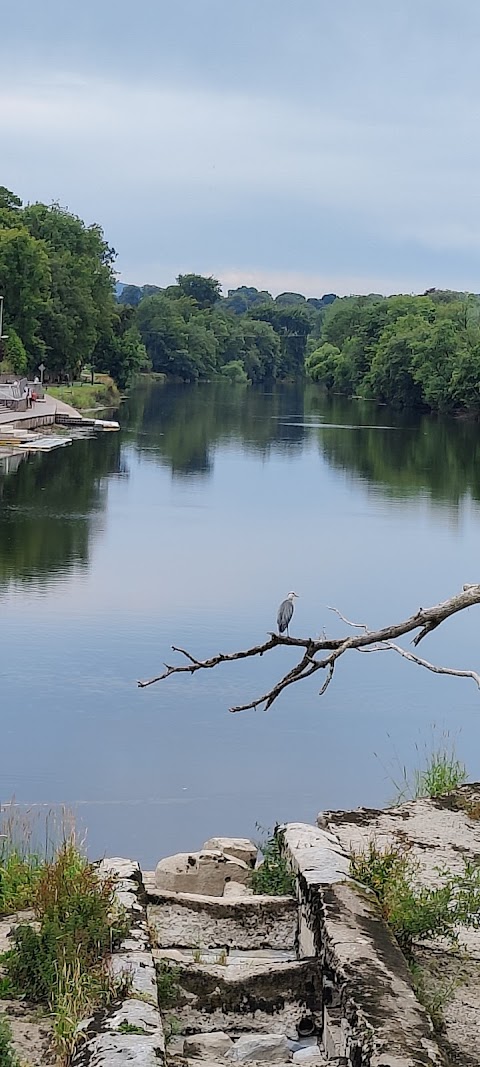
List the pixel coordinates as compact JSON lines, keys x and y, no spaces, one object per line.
{"x":49,"y":505}
{"x":440,"y":457}
{"x":402,"y":454}
{"x":183,"y":425}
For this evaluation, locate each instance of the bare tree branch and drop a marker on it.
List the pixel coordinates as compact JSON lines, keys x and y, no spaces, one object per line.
{"x":348,"y":622}
{"x":431,"y":666}
{"x":425,"y":620}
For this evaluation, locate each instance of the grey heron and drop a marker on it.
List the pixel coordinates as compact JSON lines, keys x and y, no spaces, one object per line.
{"x":285,"y":613}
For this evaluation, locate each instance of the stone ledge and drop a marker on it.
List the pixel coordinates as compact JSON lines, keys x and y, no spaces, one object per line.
{"x":371,"y":1015}
{"x":105,"y":1045}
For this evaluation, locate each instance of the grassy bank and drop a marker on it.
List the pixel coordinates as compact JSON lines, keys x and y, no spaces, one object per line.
{"x":84,"y":396}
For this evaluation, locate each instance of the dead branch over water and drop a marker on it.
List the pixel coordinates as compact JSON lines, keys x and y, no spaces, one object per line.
{"x":323,"y":654}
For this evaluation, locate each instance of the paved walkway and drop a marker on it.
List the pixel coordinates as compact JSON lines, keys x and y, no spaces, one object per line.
{"x":40,"y":409}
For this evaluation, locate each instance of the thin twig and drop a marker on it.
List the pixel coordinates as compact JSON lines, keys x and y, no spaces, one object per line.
{"x":356,"y":625}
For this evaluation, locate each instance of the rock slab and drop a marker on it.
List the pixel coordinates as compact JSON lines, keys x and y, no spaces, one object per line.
{"x":207,"y":1045}
{"x":205,"y":872}
{"x":241,"y":848}
{"x":261,"y":1048}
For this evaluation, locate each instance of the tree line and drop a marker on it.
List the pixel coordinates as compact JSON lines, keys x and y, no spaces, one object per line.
{"x":58,"y":283}
{"x":191,"y":332}
{"x":408,"y":351}
{"x":62,"y":308}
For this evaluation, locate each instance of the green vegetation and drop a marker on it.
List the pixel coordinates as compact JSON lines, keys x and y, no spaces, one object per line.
{"x":60,"y":961}
{"x":171,"y":1027}
{"x":441,"y":773}
{"x":434,"y":995}
{"x":22,"y":855}
{"x":7,"y":1054}
{"x":57,"y":279}
{"x":273,"y":877}
{"x":167,"y":983}
{"x":192,"y":333}
{"x":18,"y":877}
{"x":130,"y":1028}
{"x":408,"y":351}
{"x":412,"y":911}
{"x":85,"y":396}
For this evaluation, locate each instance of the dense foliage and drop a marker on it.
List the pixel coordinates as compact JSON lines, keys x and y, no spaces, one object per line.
{"x":192,"y":333}
{"x":57,"y":280}
{"x":408,"y":351}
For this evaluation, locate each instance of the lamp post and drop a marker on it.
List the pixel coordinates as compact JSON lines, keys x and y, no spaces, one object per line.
{"x":1,"y":318}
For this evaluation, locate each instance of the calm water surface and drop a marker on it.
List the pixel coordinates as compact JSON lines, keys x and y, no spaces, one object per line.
{"x":188,"y":528}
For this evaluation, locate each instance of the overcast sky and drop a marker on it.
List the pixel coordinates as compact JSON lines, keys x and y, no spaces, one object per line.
{"x":310,"y":145}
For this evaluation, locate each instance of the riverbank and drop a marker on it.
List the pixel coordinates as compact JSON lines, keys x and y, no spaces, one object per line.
{"x":224,"y":955}
{"x":86,"y":397}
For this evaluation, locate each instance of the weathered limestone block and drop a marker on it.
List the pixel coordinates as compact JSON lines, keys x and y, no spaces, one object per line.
{"x":236,"y":889}
{"x":309,"y":1057}
{"x":204,"y":872}
{"x":137,"y":1013}
{"x":207,"y":1045}
{"x":241,"y":848}
{"x":261,"y":1048}
{"x":316,"y":854}
{"x":135,"y":1049}
{"x":186,"y":920}
{"x":138,"y":969}
{"x":122,"y":869}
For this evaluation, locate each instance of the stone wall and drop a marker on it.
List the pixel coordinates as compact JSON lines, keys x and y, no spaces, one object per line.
{"x":371,"y":1017}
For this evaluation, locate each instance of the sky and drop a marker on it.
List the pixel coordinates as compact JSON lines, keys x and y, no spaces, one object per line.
{"x":310,"y":146}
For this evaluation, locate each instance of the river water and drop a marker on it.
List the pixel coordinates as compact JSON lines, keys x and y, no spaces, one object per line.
{"x":188,"y":528}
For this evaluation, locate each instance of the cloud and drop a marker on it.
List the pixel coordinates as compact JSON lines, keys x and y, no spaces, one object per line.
{"x":313,"y":150}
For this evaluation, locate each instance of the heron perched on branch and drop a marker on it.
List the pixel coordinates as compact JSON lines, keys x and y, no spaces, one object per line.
{"x":285,"y":613}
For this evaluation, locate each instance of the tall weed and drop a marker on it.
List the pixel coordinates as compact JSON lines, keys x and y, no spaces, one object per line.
{"x":273,"y":877}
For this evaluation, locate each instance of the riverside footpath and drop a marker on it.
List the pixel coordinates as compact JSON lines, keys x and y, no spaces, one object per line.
{"x":215,"y":974}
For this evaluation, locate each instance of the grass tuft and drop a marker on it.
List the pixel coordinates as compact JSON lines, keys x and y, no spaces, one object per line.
{"x":441,"y":771}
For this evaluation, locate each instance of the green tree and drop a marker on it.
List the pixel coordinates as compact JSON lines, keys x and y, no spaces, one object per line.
{"x":24,"y":284}
{"x":205,"y":291}
{"x":235,"y":372}
{"x":164,"y":333}
{"x":262,"y":355}
{"x":321,"y":364}
{"x":391,"y":377}
{"x":81,"y":302}
{"x":293,"y":325}
{"x":15,"y":355}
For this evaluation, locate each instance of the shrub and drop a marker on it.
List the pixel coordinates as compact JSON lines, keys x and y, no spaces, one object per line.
{"x":62,"y":961}
{"x":273,"y":877}
{"x":417,"y":912}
